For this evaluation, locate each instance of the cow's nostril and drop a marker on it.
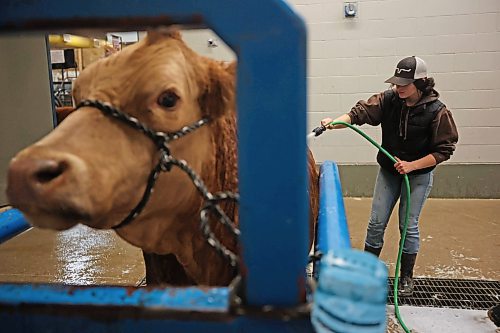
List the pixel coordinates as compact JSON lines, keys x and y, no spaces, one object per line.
{"x":49,"y":170}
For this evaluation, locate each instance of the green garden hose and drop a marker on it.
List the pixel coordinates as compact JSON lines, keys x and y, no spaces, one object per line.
{"x":320,"y":130}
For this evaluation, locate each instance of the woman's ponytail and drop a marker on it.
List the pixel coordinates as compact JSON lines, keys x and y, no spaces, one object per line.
{"x":426,"y":86}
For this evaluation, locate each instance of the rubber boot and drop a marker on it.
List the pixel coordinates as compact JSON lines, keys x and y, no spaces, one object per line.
{"x":494,"y":314}
{"x":406,"y":275}
{"x":373,"y":250}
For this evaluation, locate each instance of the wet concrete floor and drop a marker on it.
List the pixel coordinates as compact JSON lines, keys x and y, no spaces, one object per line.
{"x":79,"y":256}
{"x":459,"y":239}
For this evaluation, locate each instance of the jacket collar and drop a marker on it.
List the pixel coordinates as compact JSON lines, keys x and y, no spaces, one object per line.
{"x":434,"y":95}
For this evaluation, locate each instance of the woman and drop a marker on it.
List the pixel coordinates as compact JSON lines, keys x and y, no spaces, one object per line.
{"x":420,"y":132}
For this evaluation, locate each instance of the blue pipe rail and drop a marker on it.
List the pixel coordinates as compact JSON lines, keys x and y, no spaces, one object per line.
{"x":333,"y":232}
{"x":209,"y":300}
{"x":54,"y":308}
{"x":12,"y":223}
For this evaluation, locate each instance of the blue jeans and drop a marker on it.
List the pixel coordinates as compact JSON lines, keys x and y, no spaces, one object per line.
{"x":388,"y":189}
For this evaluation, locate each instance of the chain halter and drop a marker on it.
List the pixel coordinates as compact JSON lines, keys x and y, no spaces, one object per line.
{"x":165,"y":163}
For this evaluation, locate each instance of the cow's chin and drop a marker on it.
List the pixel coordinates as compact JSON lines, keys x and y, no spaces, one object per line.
{"x":60,"y":218}
{"x":51,"y":221}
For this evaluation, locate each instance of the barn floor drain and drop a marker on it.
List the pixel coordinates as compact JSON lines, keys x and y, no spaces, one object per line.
{"x":450,"y":293}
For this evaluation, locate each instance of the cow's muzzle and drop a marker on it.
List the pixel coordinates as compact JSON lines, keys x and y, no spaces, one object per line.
{"x":29,"y":179}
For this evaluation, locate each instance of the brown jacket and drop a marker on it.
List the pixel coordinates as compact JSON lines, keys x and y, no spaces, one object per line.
{"x":409,"y":133}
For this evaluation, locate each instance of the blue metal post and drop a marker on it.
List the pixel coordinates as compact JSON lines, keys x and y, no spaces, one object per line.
{"x":12,"y":223}
{"x":270,"y":41}
{"x":333,"y":233}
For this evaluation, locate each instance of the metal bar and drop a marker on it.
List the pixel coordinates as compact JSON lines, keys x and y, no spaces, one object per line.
{"x":178,"y":299}
{"x":12,"y":223}
{"x":270,"y":41}
{"x":43,"y":320}
{"x":333,"y":232}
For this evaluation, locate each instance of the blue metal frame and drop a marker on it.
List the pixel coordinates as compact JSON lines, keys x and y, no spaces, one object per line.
{"x":101,"y":322}
{"x":50,"y":308}
{"x":209,"y":300}
{"x":12,"y":223}
{"x":270,"y":41}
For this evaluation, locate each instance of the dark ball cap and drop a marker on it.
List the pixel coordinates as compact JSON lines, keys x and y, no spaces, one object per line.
{"x":408,"y":70}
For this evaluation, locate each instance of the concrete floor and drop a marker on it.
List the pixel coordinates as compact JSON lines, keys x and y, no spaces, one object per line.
{"x":460,"y":239}
{"x":79,"y":256}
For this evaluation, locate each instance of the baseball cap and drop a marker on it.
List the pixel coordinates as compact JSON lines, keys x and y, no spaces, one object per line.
{"x":408,"y":70}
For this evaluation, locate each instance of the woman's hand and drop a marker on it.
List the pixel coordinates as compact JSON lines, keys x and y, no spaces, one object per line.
{"x":327,"y":123}
{"x":404,"y":167}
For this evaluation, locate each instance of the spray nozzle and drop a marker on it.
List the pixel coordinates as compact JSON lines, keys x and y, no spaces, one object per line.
{"x":319,"y":130}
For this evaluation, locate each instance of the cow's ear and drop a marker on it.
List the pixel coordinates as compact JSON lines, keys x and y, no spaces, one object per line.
{"x":217,"y":96}
{"x":162,"y":33}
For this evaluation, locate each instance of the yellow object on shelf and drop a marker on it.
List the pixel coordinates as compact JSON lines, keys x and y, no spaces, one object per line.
{"x":73,"y":41}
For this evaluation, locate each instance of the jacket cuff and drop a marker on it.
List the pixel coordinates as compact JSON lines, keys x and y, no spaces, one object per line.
{"x":354,"y":117}
{"x":439,"y":157}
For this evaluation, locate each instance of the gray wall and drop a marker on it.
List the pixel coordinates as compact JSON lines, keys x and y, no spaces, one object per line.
{"x":478,"y":181}
{"x":25,"y":110}
{"x":349,"y":59}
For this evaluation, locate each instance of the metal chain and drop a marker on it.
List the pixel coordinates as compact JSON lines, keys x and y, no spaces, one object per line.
{"x":314,"y":257}
{"x":211,"y":201}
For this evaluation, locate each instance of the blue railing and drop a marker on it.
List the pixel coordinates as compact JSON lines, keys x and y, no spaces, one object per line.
{"x":12,"y":223}
{"x":333,"y":233}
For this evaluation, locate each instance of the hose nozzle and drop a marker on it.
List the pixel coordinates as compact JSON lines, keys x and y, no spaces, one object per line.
{"x":319,"y":130}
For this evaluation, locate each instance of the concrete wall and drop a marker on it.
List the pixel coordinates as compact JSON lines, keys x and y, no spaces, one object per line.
{"x":349,"y":58}
{"x":26,"y":107}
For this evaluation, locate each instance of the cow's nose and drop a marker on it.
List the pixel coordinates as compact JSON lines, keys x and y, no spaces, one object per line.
{"x":30,"y":178}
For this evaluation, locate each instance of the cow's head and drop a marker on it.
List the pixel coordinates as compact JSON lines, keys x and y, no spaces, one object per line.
{"x":93,"y":169}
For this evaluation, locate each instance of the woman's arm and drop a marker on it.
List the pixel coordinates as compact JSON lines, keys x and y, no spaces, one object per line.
{"x":364,"y":112}
{"x":404,"y":167}
{"x":344,"y":118}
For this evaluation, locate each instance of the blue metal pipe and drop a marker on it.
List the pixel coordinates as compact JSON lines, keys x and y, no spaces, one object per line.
{"x":12,"y":223}
{"x":177,"y":299}
{"x":333,"y":233}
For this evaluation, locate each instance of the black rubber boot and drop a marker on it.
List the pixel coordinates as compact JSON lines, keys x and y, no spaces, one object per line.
{"x":406,"y":276}
{"x":373,"y":250}
{"x":494,"y":314}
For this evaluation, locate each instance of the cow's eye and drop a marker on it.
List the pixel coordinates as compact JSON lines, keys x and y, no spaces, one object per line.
{"x":168,"y":99}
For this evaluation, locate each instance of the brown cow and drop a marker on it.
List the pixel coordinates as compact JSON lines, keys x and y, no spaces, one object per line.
{"x":93,"y":168}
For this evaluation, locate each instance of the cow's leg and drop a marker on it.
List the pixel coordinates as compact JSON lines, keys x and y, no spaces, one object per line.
{"x":165,"y":269}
